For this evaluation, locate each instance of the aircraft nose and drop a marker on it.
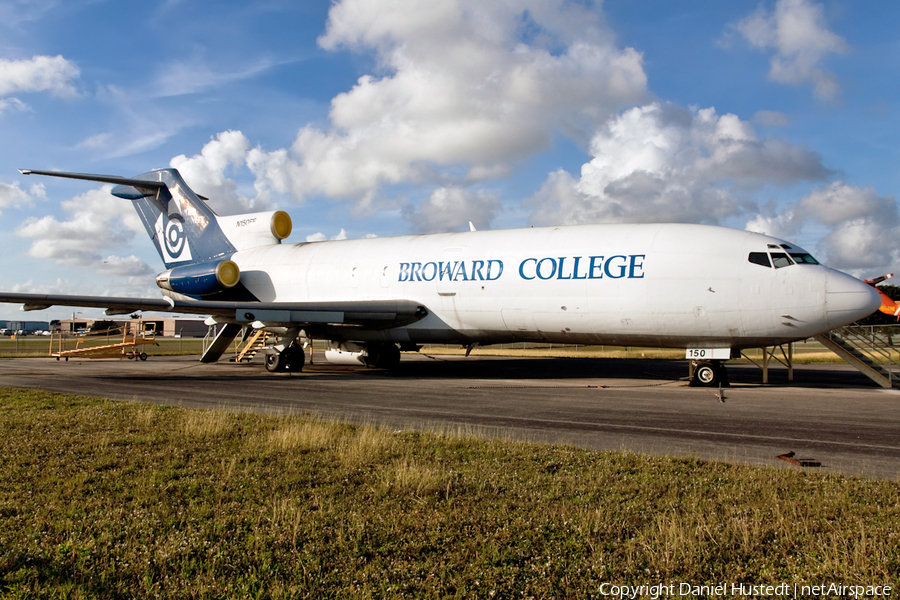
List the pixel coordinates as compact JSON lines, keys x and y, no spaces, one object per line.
{"x":847,"y":299}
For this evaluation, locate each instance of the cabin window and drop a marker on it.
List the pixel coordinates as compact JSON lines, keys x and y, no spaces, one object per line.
{"x":802,"y":258}
{"x":780,"y":259}
{"x":760,"y":258}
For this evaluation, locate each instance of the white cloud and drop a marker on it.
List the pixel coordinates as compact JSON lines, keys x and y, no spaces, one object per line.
{"x":141,"y":125}
{"x":98,"y":222}
{"x":205,"y":173}
{"x":798,"y":33}
{"x":465,"y":87}
{"x":12,"y":105}
{"x":14,"y":12}
{"x":451,"y":209}
{"x":191,"y":77}
{"x":862,"y":227}
{"x":53,"y":74}
{"x":662,"y":163}
{"x":13,"y":196}
{"x":321,"y":237}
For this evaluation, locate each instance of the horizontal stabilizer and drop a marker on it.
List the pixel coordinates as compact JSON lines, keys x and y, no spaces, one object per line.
{"x":101,"y":178}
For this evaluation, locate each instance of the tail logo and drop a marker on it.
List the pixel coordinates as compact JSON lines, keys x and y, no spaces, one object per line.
{"x":174,"y":240}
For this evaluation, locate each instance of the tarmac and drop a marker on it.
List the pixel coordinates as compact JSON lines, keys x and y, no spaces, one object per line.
{"x":830,"y":414}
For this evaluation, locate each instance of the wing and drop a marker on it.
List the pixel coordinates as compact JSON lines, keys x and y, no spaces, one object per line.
{"x":380,"y":314}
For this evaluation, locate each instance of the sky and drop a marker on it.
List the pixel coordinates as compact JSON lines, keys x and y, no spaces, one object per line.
{"x":390,"y":117}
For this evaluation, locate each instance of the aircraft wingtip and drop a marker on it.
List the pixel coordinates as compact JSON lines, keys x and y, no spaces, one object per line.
{"x":25,"y":171}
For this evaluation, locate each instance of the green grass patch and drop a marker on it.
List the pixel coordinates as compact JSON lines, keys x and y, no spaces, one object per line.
{"x":103,"y":499}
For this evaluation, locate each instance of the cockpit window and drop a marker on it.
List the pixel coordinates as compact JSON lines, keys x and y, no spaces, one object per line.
{"x":780,"y":259}
{"x":801,"y":258}
{"x":760,"y":258}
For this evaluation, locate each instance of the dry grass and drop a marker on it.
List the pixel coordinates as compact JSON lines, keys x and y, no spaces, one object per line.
{"x":102,"y":499}
{"x":207,"y":423}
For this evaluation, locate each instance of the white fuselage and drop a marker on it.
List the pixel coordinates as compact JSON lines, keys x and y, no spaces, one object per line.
{"x":667,"y":285}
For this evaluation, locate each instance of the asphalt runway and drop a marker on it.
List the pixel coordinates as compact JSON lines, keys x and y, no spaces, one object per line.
{"x":830,"y":414}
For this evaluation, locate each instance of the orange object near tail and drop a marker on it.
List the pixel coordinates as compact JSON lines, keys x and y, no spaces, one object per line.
{"x":889,"y":306}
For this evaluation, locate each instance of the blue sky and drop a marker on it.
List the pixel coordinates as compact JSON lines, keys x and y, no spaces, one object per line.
{"x":387,"y":117}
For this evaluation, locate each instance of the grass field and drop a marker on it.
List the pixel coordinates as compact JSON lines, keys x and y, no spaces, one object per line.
{"x":102,"y":499}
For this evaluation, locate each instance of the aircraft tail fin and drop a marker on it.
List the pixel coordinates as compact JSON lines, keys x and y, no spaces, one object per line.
{"x":184,"y":229}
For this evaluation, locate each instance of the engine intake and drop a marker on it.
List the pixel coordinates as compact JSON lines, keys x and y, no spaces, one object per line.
{"x":200,"y":279}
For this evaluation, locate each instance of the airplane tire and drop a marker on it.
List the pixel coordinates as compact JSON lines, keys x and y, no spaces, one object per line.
{"x":142,"y":356}
{"x":708,"y":374}
{"x":390,"y":357}
{"x":382,"y":356}
{"x":295,"y":358}
{"x":275,"y":362}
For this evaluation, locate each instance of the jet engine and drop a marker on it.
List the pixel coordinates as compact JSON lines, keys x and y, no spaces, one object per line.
{"x":200,"y":279}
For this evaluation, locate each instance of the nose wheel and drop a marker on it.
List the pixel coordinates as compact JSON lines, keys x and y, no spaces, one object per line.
{"x":709,"y":374}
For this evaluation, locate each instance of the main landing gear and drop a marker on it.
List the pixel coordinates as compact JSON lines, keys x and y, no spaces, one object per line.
{"x":709,"y":373}
{"x":378,"y":355}
{"x":382,"y":356}
{"x":291,"y":358}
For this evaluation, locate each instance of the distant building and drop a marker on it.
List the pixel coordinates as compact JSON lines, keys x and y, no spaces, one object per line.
{"x":168,"y":326}
{"x":27,"y":327}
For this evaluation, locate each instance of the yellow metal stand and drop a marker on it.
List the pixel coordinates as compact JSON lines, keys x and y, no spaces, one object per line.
{"x":134,"y":337}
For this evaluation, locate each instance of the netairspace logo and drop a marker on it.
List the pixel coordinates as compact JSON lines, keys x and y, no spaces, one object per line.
{"x":735,"y":590}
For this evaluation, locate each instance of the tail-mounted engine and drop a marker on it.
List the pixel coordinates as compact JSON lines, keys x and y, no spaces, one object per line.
{"x":256,"y":229}
{"x":200,"y":279}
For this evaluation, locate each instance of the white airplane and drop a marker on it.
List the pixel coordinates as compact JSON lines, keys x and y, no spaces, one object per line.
{"x":710,"y":290}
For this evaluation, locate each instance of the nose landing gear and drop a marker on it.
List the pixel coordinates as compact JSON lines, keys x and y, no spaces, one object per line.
{"x":709,"y":373}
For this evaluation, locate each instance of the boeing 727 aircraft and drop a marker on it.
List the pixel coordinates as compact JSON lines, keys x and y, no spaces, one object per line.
{"x":710,"y":290}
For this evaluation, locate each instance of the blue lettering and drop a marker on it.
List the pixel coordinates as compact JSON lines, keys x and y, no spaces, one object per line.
{"x":635,"y":265}
{"x":490,"y":264}
{"x":622,"y":267}
{"x":575,"y":270}
{"x":461,"y":270}
{"x":414,"y":272}
{"x":434,"y":270}
{"x":559,"y":275}
{"x":446,"y":269}
{"x":477,"y":266}
{"x":542,"y":261}
{"x":404,"y":272}
{"x":522,"y":268}
{"x":596,"y":267}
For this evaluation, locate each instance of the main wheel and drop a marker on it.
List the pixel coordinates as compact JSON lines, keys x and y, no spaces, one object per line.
{"x":142,"y":356}
{"x":382,"y":356}
{"x":275,"y":362}
{"x":295,"y":358}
